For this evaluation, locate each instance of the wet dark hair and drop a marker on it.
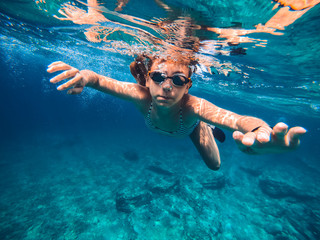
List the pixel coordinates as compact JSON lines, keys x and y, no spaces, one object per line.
{"x":139,"y":69}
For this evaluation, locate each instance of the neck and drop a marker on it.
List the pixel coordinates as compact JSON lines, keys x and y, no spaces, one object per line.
{"x":163,"y":111}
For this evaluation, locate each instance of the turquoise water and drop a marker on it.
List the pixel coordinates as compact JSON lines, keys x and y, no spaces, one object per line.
{"x":86,"y":166}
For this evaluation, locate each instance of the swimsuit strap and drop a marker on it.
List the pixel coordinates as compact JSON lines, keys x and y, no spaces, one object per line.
{"x":150,"y":109}
{"x":181,"y":131}
{"x":180,"y":117}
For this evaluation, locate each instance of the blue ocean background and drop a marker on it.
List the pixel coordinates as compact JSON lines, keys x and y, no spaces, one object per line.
{"x":87,"y":167}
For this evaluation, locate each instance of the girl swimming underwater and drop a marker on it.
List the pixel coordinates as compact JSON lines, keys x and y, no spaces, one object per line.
{"x":161,"y":95}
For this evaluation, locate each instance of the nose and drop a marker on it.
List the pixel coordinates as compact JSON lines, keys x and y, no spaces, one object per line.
{"x":166,"y":85}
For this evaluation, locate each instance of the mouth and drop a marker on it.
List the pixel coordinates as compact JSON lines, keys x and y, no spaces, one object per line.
{"x":163,"y":98}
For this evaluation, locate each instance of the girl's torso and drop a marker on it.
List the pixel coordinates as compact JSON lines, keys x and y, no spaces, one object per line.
{"x":178,"y":124}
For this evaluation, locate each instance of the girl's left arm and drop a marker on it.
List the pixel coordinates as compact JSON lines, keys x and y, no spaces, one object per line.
{"x":212,"y":114}
{"x":251,"y":134}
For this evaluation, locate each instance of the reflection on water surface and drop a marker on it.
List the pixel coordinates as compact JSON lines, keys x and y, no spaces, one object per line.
{"x":243,"y":48}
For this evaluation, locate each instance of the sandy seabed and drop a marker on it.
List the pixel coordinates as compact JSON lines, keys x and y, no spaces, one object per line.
{"x":60,"y":186}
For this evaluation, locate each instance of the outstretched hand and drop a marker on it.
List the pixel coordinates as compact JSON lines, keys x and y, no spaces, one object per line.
{"x":80,"y":16}
{"x":77,"y":80}
{"x":267,"y":140}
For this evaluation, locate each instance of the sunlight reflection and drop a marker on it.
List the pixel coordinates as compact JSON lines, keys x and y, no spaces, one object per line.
{"x":131,"y":35}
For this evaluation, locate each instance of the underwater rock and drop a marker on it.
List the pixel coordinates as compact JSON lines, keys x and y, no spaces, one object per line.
{"x":131,"y":156}
{"x":315,"y":229}
{"x":217,"y":181}
{"x":299,"y":224}
{"x":174,"y":214}
{"x":282,"y":236}
{"x":305,"y":222}
{"x":277,"y":189}
{"x":191,"y":191}
{"x":273,"y":228}
{"x":162,"y":186}
{"x":197,"y":234}
{"x":160,"y":171}
{"x":127,"y":203}
{"x":314,"y":223}
{"x":251,"y":171}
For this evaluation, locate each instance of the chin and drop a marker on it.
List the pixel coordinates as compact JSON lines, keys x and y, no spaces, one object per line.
{"x":165,"y":103}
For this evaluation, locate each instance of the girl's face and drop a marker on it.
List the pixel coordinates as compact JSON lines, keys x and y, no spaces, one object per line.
{"x":168,"y":92}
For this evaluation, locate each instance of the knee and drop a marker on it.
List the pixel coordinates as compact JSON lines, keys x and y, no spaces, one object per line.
{"x":214,"y":167}
{"x":213,"y":162}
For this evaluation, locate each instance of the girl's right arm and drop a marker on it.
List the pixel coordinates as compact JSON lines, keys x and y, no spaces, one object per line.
{"x":79,"y":79}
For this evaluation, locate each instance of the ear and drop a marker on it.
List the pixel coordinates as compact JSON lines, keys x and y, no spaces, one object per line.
{"x":186,"y":91}
{"x":147,"y":82}
{"x":189,"y":85}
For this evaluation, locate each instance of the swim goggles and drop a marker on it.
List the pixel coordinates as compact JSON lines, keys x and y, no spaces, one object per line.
{"x":177,"y":79}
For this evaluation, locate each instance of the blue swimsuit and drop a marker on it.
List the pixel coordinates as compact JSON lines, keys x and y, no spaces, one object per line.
{"x":181,"y":132}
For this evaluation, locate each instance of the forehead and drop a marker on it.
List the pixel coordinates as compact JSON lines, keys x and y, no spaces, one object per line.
{"x":169,"y":66}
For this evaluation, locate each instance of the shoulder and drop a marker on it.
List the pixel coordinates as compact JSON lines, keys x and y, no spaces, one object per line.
{"x":190,"y":109}
{"x":140,"y":92}
{"x":200,"y":106}
{"x":192,"y":104}
{"x":142,"y":99}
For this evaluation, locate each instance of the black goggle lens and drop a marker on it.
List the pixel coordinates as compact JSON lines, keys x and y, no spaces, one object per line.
{"x":177,"y":80}
{"x":157,"y":77}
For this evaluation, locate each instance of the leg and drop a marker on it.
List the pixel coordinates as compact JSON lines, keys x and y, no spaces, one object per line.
{"x":203,"y":139}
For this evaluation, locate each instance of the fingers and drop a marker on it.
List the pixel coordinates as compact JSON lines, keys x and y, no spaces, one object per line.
{"x":69,"y":72}
{"x":263,"y":134}
{"x":76,"y":82}
{"x":65,"y":75}
{"x":58,"y":66}
{"x":280,"y":130}
{"x":247,"y":139}
{"x":291,"y":137}
{"x":62,"y":19}
{"x":237,"y":136}
{"x":72,"y":83}
{"x":294,"y":135}
{"x":75,"y":90}
{"x":260,"y":141}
